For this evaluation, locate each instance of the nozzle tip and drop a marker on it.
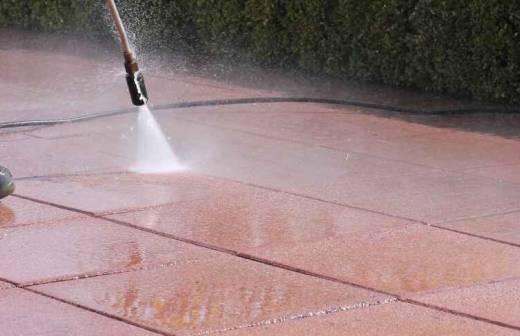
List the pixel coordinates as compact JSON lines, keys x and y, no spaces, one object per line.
{"x":137,"y":88}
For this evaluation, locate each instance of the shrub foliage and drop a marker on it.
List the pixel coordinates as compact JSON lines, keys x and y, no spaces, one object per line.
{"x":469,"y":47}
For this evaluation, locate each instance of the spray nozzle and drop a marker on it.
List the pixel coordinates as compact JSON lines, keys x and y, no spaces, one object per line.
{"x":135,"y":81}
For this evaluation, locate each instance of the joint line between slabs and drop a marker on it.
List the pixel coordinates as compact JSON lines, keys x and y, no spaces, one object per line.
{"x":83,"y":276}
{"x":301,"y":316}
{"x":474,"y":235}
{"x":460,"y":314}
{"x":477,"y":217}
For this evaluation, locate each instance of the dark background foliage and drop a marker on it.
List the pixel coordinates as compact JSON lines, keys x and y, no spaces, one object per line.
{"x":468,"y":47}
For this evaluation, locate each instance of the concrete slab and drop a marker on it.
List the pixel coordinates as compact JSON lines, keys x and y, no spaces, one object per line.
{"x":242,"y":217}
{"x":36,"y":157}
{"x":495,"y":301}
{"x":17,"y":212}
{"x":504,"y":173}
{"x":86,"y":247}
{"x":382,"y":185}
{"x":199,"y":298}
{"x":398,"y":319}
{"x":455,"y":150}
{"x":353,"y":129}
{"x":450,"y":150}
{"x":404,"y":260}
{"x":25,"y":313}
{"x":316,"y":124}
{"x":397,"y":188}
{"x":104,"y":194}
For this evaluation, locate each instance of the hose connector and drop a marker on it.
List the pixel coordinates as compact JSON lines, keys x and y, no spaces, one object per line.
{"x":135,"y":81}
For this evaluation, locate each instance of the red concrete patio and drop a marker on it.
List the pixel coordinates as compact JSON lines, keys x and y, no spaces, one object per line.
{"x":291,"y":219}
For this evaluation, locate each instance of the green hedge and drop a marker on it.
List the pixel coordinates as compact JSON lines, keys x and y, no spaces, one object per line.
{"x":469,"y":47}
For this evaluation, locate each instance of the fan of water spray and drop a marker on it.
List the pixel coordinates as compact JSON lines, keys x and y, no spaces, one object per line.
{"x":154,"y":154}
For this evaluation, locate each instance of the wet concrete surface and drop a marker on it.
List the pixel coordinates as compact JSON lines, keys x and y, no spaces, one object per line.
{"x":368,"y":134}
{"x":25,"y":313}
{"x":503,"y":227}
{"x":121,"y":192}
{"x":403,"y":261}
{"x":495,"y":301}
{"x":209,"y":296}
{"x":290,"y":218}
{"x":36,"y":157}
{"x":393,"y":320}
{"x":248,"y":218}
{"x":505,"y":173}
{"x":352,"y":177}
{"x":86,"y":247}
{"x":18,"y":212}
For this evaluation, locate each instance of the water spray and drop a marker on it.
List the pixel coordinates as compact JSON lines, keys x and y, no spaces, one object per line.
{"x":154,"y":153}
{"x":134,"y":77}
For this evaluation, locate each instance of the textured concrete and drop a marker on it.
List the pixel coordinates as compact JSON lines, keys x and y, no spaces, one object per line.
{"x":371,"y":134}
{"x":102,"y":194}
{"x":83,"y":154}
{"x":360,"y":180}
{"x":396,"y":319}
{"x":289,"y":219}
{"x":87,"y":247}
{"x":506,"y":173}
{"x":502,"y":227}
{"x":407,"y":260}
{"x":244,"y":218}
{"x":17,"y":212}
{"x":25,"y":313}
{"x":204,"y":296}
{"x":389,"y":320}
{"x":494,"y":301}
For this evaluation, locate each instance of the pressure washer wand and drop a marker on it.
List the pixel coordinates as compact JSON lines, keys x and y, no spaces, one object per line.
{"x":134,"y":77}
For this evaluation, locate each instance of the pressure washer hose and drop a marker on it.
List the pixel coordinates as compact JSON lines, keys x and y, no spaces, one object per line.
{"x":134,"y":77}
{"x":119,"y":26}
{"x":257,"y":100}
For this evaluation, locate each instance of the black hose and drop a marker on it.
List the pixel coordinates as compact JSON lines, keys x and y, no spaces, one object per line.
{"x":256,"y":100}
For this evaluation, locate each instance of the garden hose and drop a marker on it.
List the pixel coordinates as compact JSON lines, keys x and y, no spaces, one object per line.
{"x":257,"y":100}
